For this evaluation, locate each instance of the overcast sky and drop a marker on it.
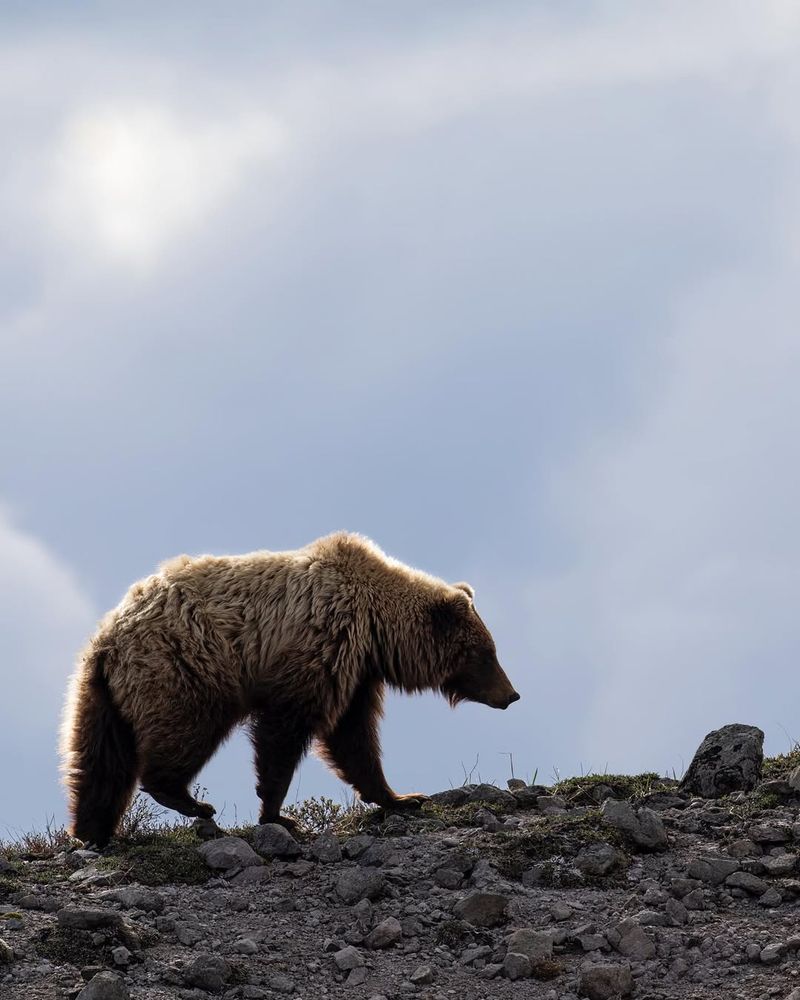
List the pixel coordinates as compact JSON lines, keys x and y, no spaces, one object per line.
{"x":509,"y":287}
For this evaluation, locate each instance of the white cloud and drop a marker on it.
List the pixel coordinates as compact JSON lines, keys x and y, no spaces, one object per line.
{"x":128,"y":179}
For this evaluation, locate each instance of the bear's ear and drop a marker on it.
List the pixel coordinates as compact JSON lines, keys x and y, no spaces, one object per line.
{"x":447,"y":615}
{"x":467,"y":589}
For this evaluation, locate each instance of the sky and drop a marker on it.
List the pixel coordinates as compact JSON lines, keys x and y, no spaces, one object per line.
{"x":509,"y":288}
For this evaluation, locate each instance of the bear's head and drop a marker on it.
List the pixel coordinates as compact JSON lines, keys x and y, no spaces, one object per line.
{"x":469,"y":658}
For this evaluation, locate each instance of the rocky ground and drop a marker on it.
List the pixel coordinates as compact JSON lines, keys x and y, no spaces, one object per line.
{"x":600,"y":887}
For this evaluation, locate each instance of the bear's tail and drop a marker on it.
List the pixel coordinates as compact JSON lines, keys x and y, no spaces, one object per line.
{"x":99,"y":751}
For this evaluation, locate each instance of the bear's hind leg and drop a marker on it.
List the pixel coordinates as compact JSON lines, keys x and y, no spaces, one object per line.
{"x":280,"y":739}
{"x":353,"y":749}
{"x":171,"y":789}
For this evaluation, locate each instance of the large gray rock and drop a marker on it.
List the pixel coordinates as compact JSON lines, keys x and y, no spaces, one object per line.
{"x":728,"y":760}
{"x":274,"y":841}
{"x":104,"y":986}
{"x":231,"y":852}
{"x":602,"y":981}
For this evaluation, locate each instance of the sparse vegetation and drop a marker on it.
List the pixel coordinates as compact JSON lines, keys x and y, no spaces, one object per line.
{"x":552,"y":844}
{"x":782,"y":763}
{"x":159,"y":858}
{"x":590,"y":789}
{"x":63,"y":944}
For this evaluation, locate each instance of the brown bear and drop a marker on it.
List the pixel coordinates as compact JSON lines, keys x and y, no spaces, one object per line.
{"x":301,"y":643}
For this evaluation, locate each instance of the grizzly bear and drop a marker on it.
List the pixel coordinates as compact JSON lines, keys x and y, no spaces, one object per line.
{"x":300,"y":643}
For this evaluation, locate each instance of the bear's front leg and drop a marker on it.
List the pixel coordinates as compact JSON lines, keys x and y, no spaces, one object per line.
{"x":280,"y":738}
{"x":353,"y":749}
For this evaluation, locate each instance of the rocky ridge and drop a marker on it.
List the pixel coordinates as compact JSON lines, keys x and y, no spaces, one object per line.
{"x":599,"y":887}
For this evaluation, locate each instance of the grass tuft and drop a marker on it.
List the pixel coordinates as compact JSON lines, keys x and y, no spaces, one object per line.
{"x":782,"y":763}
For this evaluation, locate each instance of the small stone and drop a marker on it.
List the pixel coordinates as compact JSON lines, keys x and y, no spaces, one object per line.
{"x":677,"y":912}
{"x":355,"y":846}
{"x":6,"y":953}
{"x":422,"y":976}
{"x":743,"y":848}
{"x":229,"y":852}
{"x":385,"y":934}
{"x":207,"y":972}
{"x":560,"y":912}
{"x":281,"y":984}
{"x":593,"y":942}
{"x":604,"y":981}
{"x":491,"y":795}
{"x":634,"y":942}
{"x":356,"y":977}
{"x":326,"y":849}
{"x":274,"y":841}
{"x":517,"y":966}
{"x":515,"y":784}
{"x":348,"y":958}
{"x":358,"y":883}
{"x":245,"y":946}
{"x":750,"y":883}
{"x":452,"y":796}
{"x":712,"y":869}
{"x":650,"y":833}
{"x":104,"y":986}
{"x":448,"y":878}
{"x":135,"y":897}
{"x":121,"y":956}
{"x":597,"y":859}
{"x":771,"y":898}
{"x":470,"y":955}
{"x":780,"y":865}
{"x":767,"y":833}
{"x":535,"y":945}
{"x":619,"y":815}
{"x":482,"y":909}
{"x":773,"y":953}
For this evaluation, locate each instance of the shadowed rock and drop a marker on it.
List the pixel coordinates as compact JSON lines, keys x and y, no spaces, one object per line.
{"x":728,"y":760}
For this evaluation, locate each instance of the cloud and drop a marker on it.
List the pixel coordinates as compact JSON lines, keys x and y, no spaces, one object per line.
{"x":129,"y":179}
{"x":45,"y":616}
{"x":677,"y":608}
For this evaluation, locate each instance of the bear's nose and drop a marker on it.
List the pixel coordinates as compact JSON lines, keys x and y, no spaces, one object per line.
{"x":514,"y":696}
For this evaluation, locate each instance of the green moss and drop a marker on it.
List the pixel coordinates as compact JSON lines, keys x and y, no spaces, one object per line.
{"x":585,"y":790}
{"x":170,"y":856}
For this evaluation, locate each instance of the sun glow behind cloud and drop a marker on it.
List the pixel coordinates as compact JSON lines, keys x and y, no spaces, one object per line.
{"x":130,"y":179}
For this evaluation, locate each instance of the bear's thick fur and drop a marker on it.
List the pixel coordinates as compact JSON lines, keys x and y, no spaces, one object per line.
{"x":301,"y":643}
